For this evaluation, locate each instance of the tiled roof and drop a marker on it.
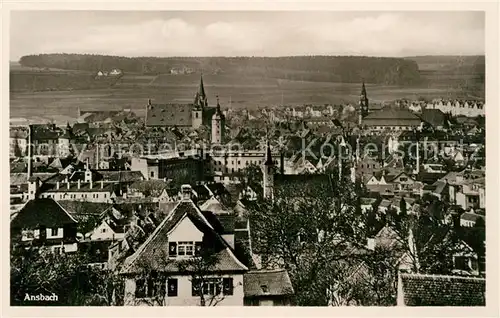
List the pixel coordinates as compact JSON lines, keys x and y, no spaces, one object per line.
{"x":153,"y":251}
{"x":468,"y":216}
{"x":121,"y":176}
{"x":392,"y":117}
{"x":437,"y":290}
{"x":22,"y":178}
{"x":42,"y":212}
{"x":169,"y":115}
{"x":435,"y":117}
{"x":267,"y":283}
{"x":81,"y":209}
{"x":73,"y":187}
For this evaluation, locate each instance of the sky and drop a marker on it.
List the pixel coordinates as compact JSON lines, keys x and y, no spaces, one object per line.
{"x":250,"y":33}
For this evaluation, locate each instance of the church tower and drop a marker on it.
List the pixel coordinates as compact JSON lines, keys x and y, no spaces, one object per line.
{"x":268,"y":174}
{"x":200,"y":103}
{"x":363,"y":103}
{"x":218,"y":125}
{"x":200,"y":99}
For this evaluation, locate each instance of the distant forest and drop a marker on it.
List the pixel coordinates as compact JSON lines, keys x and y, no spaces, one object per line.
{"x":346,"y":69}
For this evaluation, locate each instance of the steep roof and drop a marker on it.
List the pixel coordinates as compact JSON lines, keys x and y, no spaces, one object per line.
{"x":274,"y":282}
{"x":42,"y":212}
{"x":440,"y":290}
{"x":121,"y":176}
{"x":169,"y":115}
{"x":435,"y":117}
{"x":392,"y":117}
{"x":155,"y":247}
{"x":81,"y":210}
{"x":22,"y":178}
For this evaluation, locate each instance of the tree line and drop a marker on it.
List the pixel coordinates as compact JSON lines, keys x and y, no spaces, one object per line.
{"x":378,"y":70}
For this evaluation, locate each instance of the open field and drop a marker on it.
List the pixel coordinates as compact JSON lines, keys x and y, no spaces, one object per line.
{"x":134,"y":92}
{"x":43,"y":94}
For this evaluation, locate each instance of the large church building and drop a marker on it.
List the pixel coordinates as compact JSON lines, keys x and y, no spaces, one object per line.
{"x":191,"y":115}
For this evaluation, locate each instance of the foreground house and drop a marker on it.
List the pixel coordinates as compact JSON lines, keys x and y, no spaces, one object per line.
{"x":171,"y":255}
{"x":45,"y":222}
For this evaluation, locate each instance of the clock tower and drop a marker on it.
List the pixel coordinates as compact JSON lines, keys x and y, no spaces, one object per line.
{"x":268,"y":174}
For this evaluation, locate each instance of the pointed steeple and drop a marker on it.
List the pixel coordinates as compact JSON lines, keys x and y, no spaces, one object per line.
{"x":363,"y":102}
{"x":201,"y":90}
{"x":363,"y":89}
{"x":269,"y":157}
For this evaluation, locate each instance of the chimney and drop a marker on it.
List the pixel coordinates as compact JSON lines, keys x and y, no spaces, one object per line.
{"x":79,"y":183}
{"x":102,"y":184}
{"x":67,"y":184}
{"x":57,"y":185}
{"x":186,"y":191}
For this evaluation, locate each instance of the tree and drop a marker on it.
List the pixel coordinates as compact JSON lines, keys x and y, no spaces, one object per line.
{"x":373,"y":282}
{"x":37,"y":270}
{"x":208,"y":283}
{"x":252,"y":177}
{"x":308,"y":230}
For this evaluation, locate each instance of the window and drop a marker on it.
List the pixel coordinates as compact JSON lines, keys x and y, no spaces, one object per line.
{"x":185,"y":248}
{"x":54,"y":231}
{"x":152,"y":174}
{"x":213,"y":287}
{"x":57,"y":250}
{"x":151,"y":287}
{"x":172,"y":287}
{"x":462,"y":263}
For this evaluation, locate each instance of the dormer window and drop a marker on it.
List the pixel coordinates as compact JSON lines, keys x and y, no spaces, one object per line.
{"x":184,"y":248}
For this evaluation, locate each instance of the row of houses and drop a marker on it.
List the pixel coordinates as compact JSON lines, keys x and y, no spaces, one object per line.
{"x":470,"y":108}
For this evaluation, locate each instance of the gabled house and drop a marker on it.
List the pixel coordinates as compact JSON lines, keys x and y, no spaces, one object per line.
{"x":107,"y":230}
{"x":44,"y":222}
{"x":185,"y":235}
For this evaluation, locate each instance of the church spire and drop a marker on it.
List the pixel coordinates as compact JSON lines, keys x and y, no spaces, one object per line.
{"x":363,"y":89}
{"x":363,"y":102}
{"x":269,"y":157}
{"x":201,"y":90}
